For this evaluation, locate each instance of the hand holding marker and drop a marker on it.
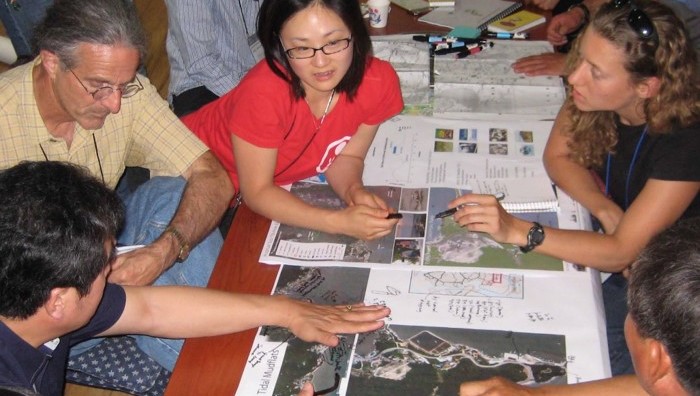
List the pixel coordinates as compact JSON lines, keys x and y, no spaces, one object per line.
{"x":449,"y":212}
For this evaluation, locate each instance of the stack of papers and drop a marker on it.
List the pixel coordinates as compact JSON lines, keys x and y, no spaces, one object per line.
{"x":470,"y":13}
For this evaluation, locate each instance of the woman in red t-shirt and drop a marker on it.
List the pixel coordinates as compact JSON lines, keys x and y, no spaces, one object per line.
{"x":312,"y":106}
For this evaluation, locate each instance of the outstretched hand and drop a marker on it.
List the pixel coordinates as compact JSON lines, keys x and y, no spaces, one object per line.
{"x":322,"y":323}
{"x":546,"y":64}
{"x":307,"y":390}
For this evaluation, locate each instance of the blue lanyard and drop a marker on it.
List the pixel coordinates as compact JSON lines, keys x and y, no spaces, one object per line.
{"x":629,"y":171}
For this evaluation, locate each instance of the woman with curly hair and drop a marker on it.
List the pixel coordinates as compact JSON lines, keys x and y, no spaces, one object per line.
{"x":624,"y":145}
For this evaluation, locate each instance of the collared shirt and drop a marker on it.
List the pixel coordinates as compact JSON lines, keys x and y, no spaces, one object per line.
{"x":209,"y":43}
{"x":144,"y":133}
{"x":43,"y":369}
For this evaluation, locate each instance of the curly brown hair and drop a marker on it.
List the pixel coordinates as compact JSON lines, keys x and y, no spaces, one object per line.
{"x":668,"y":56}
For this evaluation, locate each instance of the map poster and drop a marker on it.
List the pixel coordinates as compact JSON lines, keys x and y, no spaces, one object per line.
{"x":420,"y":239}
{"x":446,"y":327}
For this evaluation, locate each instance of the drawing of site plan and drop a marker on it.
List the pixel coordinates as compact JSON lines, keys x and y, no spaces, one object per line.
{"x":436,"y":336}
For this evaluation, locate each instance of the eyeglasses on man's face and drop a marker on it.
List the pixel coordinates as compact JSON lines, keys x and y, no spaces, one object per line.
{"x":105,"y":92}
{"x":638,"y":20}
{"x":328,"y":49}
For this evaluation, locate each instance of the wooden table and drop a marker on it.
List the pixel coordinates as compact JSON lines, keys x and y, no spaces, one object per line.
{"x":213,"y":366}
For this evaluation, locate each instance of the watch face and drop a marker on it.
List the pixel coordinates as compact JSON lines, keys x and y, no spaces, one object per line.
{"x":537,"y":235}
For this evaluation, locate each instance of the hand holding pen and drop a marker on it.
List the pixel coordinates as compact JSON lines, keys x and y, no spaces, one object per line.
{"x":484,"y":213}
{"x":449,"y":212}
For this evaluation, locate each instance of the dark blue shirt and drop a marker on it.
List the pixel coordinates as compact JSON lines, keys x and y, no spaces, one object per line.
{"x":43,"y":369}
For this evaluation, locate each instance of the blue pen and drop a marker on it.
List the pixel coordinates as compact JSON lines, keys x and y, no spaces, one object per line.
{"x":502,"y":35}
{"x":468,"y":40}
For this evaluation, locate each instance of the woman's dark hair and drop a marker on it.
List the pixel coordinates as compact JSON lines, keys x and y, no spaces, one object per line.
{"x":275,"y":13}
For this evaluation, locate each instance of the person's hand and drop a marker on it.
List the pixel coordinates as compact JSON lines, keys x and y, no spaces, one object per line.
{"x":307,"y":390}
{"x":138,"y":267}
{"x":546,"y":64}
{"x":483,"y":213}
{"x":563,"y":24}
{"x":361,"y":196}
{"x":363,"y":222}
{"x":322,"y":323}
{"x":543,"y":4}
{"x":496,"y":386}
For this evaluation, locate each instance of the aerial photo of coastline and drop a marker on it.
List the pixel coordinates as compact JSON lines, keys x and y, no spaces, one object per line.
{"x":433,"y":361}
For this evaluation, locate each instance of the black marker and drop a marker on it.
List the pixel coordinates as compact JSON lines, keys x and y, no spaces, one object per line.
{"x":396,"y":215}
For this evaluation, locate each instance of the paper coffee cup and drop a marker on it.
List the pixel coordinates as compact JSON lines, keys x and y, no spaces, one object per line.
{"x":378,"y":13}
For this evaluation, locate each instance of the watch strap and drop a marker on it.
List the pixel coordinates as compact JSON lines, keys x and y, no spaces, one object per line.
{"x":184,"y":245}
{"x":533,"y":239}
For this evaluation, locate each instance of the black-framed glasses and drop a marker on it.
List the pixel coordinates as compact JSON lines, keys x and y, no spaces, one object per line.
{"x":638,"y":20}
{"x":333,"y":47}
{"x":103,"y":93}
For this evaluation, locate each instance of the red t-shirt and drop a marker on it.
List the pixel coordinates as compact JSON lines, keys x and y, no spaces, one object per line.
{"x":262,"y":111}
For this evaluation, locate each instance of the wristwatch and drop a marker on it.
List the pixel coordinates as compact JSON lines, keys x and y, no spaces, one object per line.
{"x":535,"y":237}
{"x":184,"y":245}
{"x":584,"y":9}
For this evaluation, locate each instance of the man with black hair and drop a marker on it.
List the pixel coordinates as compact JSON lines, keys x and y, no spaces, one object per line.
{"x":57,"y":244}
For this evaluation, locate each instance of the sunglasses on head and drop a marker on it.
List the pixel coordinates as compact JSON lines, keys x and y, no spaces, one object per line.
{"x":637,"y":19}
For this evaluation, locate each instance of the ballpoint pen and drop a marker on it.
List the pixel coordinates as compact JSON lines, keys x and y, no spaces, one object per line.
{"x":449,"y":212}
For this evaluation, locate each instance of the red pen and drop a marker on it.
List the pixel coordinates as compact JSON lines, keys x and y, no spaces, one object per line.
{"x":474,"y":50}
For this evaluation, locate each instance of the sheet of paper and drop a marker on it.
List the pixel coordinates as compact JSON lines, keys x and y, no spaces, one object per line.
{"x":445,"y":328}
{"x":484,"y":85}
{"x":434,"y":152}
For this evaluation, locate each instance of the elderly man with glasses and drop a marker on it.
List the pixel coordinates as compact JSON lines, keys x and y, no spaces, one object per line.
{"x":81,"y":101}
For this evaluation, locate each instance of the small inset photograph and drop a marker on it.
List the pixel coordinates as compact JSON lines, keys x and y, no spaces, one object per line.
{"x":468,"y":134}
{"x":412,"y":225}
{"x":469,"y":148}
{"x":525,"y":136}
{"x":498,"y":149}
{"x":444,"y":147}
{"x":527,"y":150}
{"x":441,"y":133}
{"x":408,"y":251}
{"x":498,"y":135}
{"x":414,"y":200}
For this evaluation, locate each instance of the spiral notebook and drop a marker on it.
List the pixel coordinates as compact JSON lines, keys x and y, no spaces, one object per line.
{"x":471,"y":13}
{"x":526,"y":195}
